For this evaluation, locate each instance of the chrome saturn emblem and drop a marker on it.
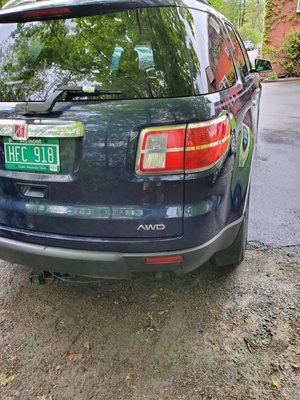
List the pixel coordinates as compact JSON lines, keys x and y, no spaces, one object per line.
{"x":20,"y":131}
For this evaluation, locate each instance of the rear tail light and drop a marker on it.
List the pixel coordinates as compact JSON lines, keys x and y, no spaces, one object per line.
{"x":161,"y":150}
{"x":206,"y":144}
{"x":181,"y":148}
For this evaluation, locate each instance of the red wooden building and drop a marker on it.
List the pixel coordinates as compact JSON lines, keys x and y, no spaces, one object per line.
{"x":281,"y":17}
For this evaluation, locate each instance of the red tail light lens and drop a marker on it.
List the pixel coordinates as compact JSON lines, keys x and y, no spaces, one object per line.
{"x":206,"y":144}
{"x":178,"y":149}
{"x":161,"y":150}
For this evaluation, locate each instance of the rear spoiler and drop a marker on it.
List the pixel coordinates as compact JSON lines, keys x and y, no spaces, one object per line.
{"x":32,"y":10}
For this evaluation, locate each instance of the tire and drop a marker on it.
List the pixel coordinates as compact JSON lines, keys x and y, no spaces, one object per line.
{"x":234,"y":255}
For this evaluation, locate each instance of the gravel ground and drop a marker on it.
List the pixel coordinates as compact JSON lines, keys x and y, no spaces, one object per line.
{"x":216,"y":334}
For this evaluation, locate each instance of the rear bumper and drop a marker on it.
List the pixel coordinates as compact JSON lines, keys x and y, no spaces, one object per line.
{"x":112,"y":264}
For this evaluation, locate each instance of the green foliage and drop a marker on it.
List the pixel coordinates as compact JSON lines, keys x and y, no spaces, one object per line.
{"x":247,"y":32}
{"x":272,"y":76}
{"x":246,"y":15}
{"x":288,"y":54}
{"x":6,"y":380}
{"x":291,"y":52}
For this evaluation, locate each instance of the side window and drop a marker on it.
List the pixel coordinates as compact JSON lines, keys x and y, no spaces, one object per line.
{"x":210,"y":56}
{"x":220,"y":71}
{"x":239,"y":52}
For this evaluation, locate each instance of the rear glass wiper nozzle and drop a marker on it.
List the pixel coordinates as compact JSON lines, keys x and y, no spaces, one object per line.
{"x":47,"y":106}
{"x":86,"y":90}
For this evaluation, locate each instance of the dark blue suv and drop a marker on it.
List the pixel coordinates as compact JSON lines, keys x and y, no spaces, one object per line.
{"x":127,"y":131}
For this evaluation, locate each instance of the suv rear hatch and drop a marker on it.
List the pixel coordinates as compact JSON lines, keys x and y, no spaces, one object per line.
{"x":133,"y":70}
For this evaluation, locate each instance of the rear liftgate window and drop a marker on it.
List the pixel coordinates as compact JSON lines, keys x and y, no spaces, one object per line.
{"x":139,"y":53}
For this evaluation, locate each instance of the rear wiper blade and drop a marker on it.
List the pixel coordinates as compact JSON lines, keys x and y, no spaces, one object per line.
{"x":46,"y":106}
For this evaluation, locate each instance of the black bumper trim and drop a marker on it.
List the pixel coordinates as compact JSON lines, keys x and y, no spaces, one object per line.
{"x":112,"y":264}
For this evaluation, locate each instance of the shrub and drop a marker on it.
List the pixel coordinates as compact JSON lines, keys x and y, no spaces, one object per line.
{"x":288,"y":54}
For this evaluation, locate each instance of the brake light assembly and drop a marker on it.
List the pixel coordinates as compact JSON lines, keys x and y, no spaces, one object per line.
{"x":46,"y":12}
{"x":183,"y":148}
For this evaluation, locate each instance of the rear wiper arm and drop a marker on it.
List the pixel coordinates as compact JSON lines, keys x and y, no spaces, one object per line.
{"x":46,"y":106}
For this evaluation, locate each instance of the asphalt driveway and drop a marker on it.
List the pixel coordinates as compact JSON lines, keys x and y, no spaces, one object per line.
{"x":275,"y":195}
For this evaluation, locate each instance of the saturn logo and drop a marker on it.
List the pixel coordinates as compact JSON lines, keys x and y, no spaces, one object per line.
{"x":20,"y":132}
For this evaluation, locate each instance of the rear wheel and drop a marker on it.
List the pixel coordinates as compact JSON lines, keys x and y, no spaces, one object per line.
{"x":235,"y":254}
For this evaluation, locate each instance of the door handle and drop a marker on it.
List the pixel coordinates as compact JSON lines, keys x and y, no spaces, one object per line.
{"x":254,"y":103}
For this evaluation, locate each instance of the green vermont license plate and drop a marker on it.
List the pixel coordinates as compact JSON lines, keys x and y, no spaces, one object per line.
{"x":40,"y":155}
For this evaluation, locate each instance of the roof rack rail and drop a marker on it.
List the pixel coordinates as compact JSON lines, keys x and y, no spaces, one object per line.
{"x":16,"y":3}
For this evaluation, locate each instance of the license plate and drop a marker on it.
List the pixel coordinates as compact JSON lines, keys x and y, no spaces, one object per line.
{"x":40,"y":155}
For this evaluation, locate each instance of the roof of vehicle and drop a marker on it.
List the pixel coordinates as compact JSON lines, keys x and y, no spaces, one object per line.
{"x":50,"y":3}
{"x":15,"y":10}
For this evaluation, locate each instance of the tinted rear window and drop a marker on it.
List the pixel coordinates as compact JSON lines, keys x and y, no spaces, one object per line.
{"x":140,"y":53}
